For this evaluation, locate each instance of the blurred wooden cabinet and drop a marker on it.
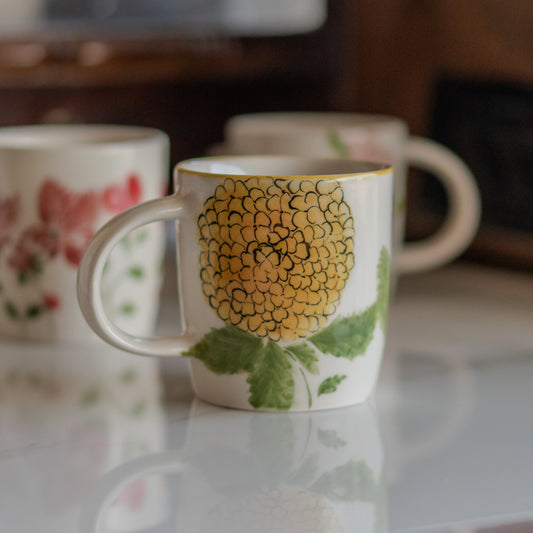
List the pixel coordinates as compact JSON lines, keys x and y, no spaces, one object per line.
{"x":186,"y":85}
{"x":462,"y":73}
{"x":403,"y":48}
{"x":398,"y":57}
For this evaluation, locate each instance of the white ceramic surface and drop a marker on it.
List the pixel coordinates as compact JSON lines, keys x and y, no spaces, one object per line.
{"x":374,"y":138}
{"x":58,"y":185}
{"x":284,"y":272}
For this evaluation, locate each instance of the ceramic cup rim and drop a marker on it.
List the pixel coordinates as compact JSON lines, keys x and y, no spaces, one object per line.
{"x":341,"y":168}
{"x":305,"y":123}
{"x":77,"y":137}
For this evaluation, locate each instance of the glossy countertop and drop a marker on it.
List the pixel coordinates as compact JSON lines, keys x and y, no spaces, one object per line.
{"x":91,"y":437}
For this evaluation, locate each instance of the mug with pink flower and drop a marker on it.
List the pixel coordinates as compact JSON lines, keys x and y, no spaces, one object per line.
{"x":58,"y":185}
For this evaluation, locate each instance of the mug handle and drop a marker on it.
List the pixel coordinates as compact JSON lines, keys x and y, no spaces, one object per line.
{"x":462,"y":220}
{"x":91,"y":269}
{"x":108,"y":487}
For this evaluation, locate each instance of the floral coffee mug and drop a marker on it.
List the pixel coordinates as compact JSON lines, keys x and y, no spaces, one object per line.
{"x":283,"y":267}
{"x":58,"y":185}
{"x":373,"y":138}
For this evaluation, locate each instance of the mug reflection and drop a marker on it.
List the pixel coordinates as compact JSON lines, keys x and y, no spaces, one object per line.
{"x":89,"y":411}
{"x":263,"y":472}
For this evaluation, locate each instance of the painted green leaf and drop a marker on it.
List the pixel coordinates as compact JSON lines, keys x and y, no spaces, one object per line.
{"x":127,"y":308}
{"x":271,"y":381}
{"x":90,"y":396}
{"x":347,"y":337}
{"x":11,"y":310}
{"x":330,"y":384}
{"x":352,"y":481}
{"x":401,"y":204}
{"x":306,"y":355}
{"x":36,"y":264}
{"x":337,"y":144}
{"x":34,"y":380}
{"x":330,"y":438}
{"x":138,"y":409}
{"x":33,"y":311}
{"x":227,"y":350}
{"x":128,"y":376}
{"x":125,"y":243}
{"x":383,"y":276}
{"x":136,"y":272}
{"x":141,"y":236}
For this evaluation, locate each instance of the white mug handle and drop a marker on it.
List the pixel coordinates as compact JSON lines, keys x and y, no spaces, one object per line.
{"x":464,"y":208}
{"x":92,"y":266}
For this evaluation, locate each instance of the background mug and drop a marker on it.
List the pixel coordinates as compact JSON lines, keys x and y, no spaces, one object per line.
{"x":58,"y":185}
{"x":373,"y":138}
{"x":283,"y":269}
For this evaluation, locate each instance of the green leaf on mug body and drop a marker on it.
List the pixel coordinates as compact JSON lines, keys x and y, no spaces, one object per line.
{"x":306,"y":356}
{"x":138,"y":409}
{"x":11,"y":310}
{"x":330,"y":384}
{"x":125,"y":243}
{"x":228,"y":350}
{"x":383,"y":276}
{"x":337,"y":144}
{"x":36,"y":264}
{"x":271,"y":381}
{"x":33,"y":311}
{"x":90,"y":396}
{"x":127,"y":308}
{"x":349,"y":336}
{"x":141,"y":236}
{"x":128,"y":376}
{"x":401,"y":204}
{"x":136,"y":272}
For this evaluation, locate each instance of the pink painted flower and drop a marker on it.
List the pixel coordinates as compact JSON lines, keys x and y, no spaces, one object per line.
{"x":33,"y":246}
{"x":9,"y":210}
{"x":117,"y":198}
{"x":65,"y":227}
{"x":69,"y":217}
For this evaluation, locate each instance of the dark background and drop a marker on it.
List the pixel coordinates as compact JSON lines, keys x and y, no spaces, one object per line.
{"x":459,"y":72}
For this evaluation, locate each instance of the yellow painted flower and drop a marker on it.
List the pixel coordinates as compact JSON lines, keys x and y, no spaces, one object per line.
{"x":275,"y":255}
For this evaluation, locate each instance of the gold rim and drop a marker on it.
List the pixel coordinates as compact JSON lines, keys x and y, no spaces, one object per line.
{"x":380,"y":169}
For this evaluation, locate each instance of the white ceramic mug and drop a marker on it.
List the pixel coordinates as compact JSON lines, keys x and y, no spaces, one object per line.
{"x":372,"y":138}
{"x":283,"y":267}
{"x":58,"y":185}
{"x":319,"y":472}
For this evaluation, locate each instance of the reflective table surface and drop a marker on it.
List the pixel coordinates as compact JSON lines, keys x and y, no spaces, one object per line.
{"x":93,"y":439}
